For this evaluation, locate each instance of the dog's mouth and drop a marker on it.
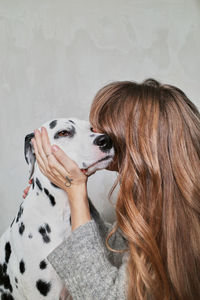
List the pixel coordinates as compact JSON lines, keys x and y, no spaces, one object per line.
{"x":87,"y":169}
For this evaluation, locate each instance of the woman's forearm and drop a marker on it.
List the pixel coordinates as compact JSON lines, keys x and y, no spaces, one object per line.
{"x":79,"y":206}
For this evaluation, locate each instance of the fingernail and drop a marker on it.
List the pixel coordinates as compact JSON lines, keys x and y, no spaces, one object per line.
{"x":55,"y":148}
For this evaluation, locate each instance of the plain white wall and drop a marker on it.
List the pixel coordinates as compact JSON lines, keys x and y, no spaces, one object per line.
{"x":55,"y":55}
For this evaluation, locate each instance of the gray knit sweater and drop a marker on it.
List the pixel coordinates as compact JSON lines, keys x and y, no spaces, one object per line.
{"x":89,"y":269}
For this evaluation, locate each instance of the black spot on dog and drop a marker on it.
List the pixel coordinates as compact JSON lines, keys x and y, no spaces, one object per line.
{"x":43,"y":265}
{"x":22,"y":266}
{"x":70,"y":220}
{"x":20,"y":212}
{"x":12,"y":223}
{"x":16,"y":286}
{"x":46,"y":191}
{"x":7,"y":252}
{"x":72,"y":131}
{"x":55,"y":185}
{"x":53,"y":124}
{"x":30,"y":236}
{"x":33,"y":183}
{"x":6,"y":296}
{"x":7,"y":284}
{"x":38,"y":184}
{"x":5,"y":279}
{"x":43,"y":287}
{"x":1,"y":275}
{"x":43,"y":232}
{"x":71,"y":122}
{"x":21,"y":228}
{"x":4,"y":267}
{"x":16,"y":280}
{"x":48,"y":229}
{"x":37,"y":194}
{"x":51,"y":197}
{"x":52,"y":200}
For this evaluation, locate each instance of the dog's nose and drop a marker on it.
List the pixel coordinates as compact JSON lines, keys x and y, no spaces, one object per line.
{"x":104,"y":142}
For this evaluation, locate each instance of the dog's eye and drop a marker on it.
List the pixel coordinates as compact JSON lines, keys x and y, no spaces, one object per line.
{"x":69,"y":133}
{"x":63,"y":133}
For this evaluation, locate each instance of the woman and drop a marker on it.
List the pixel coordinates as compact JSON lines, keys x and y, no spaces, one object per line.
{"x":156,"y":134}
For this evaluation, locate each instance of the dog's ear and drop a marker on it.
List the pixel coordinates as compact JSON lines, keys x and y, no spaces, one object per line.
{"x":29,"y":153}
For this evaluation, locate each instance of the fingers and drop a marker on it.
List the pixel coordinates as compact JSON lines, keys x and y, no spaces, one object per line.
{"x":42,"y":147}
{"x":49,"y":166}
{"x":64,"y":159}
{"x":68,"y":164}
{"x":56,"y":167}
{"x":39,"y":144}
{"x":26,"y":189}
{"x":39,"y":159}
{"x":45,"y":141}
{"x":54,"y":161}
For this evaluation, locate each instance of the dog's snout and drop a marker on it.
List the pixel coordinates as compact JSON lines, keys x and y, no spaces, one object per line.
{"x":104,"y":142}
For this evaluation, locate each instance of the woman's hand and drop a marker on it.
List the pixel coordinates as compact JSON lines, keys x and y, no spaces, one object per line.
{"x":27,"y":189}
{"x":56,"y":165}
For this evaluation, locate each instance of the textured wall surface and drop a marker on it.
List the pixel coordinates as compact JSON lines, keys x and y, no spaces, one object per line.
{"x":55,"y":55}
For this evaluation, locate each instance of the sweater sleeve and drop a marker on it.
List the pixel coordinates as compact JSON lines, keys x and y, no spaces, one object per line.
{"x":82,"y":262}
{"x":116,"y":241}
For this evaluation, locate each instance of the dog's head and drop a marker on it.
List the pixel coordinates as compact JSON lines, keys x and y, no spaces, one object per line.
{"x":91,"y":151}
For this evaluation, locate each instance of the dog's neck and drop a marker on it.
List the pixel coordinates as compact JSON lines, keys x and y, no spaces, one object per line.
{"x":46,"y":203}
{"x":41,"y":184}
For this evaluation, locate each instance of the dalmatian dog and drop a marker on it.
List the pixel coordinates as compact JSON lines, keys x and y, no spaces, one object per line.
{"x":43,"y":219}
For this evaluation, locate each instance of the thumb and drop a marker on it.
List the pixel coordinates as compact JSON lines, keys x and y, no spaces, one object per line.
{"x":63,"y":158}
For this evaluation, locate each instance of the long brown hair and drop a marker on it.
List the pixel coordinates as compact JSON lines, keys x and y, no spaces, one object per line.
{"x":155,"y":129}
